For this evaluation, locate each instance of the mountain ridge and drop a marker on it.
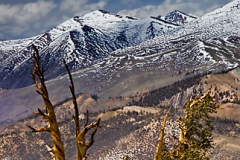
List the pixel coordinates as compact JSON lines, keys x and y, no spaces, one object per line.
{"x":209,"y":44}
{"x":79,"y":41}
{"x":202,"y":51}
{"x":178,"y":17}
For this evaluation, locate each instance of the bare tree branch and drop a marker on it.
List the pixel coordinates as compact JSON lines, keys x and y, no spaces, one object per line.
{"x":74,"y":99}
{"x":160,"y":142}
{"x":80,"y":135}
{"x":53,"y":129}
{"x":38,"y":129}
{"x":91,"y":140}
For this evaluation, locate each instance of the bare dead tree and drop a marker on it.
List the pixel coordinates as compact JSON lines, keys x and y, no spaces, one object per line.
{"x":160,"y":142}
{"x":57,"y":150}
{"x":82,"y":145}
{"x":49,"y":114}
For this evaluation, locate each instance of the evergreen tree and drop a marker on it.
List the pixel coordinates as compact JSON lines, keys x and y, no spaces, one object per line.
{"x":196,"y":128}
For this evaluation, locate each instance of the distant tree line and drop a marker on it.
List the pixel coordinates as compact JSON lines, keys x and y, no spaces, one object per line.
{"x":154,"y":97}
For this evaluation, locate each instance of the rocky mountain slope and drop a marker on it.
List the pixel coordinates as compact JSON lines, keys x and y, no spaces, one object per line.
{"x":125,"y":132}
{"x":79,"y":41}
{"x":122,"y":129}
{"x":209,"y":44}
{"x":179,"y":18}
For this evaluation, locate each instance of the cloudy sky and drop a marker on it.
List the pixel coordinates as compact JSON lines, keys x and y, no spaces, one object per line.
{"x":26,"y":18}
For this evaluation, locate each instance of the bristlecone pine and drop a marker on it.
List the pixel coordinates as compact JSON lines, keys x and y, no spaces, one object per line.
{"x":196,"y":128}
{"x":57,"y":150}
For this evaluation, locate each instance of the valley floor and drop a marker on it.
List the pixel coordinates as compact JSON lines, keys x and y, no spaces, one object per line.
{"x":131,"y":131}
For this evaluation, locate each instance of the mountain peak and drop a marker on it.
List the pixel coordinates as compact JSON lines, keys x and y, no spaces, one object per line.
{"x":103,"y":11}
{"x":80,"y":40}
{"x":103,"y":16}
{"x":83,"y":40}
{"x":179,"y":17}
{"x":180,"y":12}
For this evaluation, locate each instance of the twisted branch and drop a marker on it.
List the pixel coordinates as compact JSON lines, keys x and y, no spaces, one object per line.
{"x":82,"y":146}
{"x":49,"y":115}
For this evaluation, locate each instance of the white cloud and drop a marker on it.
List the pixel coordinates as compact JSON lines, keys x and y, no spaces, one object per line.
{"x":80,"y":7}
{"x":34,"y":18}
{"x":22,"y":14}
{"x":19,"y":17}
{"x":96,"y":6}
{"x":40,"y":8}
{"x":24,"y":20}
{"x":72,"y":5}
{"x":197,"y":8}
{"x":6,"y":12}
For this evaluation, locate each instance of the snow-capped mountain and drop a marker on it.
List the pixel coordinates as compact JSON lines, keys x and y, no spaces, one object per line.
{"x":211,"y":40}
{"x":210,"y":44}
{"x":79,"y":41}
{"x":178,"y":17}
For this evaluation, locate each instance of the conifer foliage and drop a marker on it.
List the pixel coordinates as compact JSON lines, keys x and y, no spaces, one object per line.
{"x":195,"y":138}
